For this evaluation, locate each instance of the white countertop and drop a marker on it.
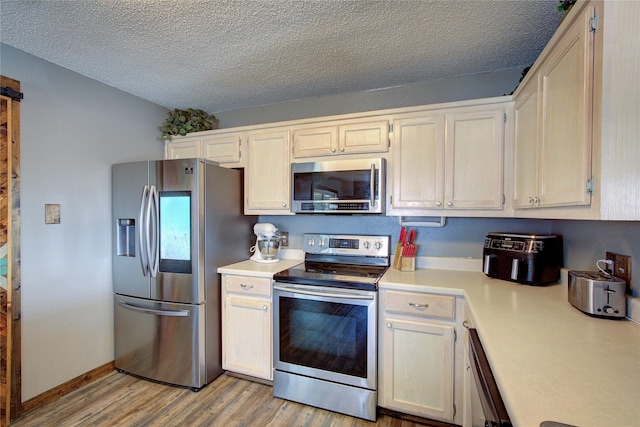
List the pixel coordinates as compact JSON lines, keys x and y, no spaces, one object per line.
{"x":258,"y":269}
{"x":551,"y":361}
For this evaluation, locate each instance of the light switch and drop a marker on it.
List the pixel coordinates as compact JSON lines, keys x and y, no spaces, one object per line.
{"x":52,"y":214}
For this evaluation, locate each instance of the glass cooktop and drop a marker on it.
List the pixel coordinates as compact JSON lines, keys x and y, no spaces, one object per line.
{"x":333,"y":275}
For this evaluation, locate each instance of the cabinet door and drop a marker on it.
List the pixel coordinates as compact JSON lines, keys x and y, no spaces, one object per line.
{"x":268,"y":173}
{"x":418,"y":163}
{"x":526,"y":147}
{"x":474,"y":149}
{"x":418,"y":368}
{"x":566,"y":85}
{"x":318,"y":141}
{"x":364,"y":137}
{"x":182,"y":149}
{"x":222,"y":148}
{"x":247,"y":337}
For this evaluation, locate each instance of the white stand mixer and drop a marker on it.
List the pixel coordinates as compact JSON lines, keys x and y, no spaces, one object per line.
{"x":267,"y":245}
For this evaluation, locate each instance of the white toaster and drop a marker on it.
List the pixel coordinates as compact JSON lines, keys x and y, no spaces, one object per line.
{"x":597,"y":294}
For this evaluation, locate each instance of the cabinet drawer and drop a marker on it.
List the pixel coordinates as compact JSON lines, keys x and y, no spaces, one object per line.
{"x":417,"y":304}
{"x":248,"y":285}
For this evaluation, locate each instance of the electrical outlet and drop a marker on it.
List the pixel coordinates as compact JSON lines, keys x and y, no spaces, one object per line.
{"x":284,"y":238}
{"x":621,"y":267}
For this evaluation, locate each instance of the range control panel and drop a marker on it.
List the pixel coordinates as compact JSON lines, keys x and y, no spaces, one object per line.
{"x":346,"y":244}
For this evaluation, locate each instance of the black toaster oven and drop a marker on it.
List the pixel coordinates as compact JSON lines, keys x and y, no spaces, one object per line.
{"x":530,"y":259}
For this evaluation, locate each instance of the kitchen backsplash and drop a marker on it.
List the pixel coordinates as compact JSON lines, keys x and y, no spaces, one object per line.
{"x":584,"y":241}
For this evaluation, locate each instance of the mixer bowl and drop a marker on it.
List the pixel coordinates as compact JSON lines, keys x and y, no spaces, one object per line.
{"x":269,"y":247}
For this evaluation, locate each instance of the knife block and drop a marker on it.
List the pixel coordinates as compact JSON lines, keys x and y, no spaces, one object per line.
{"x":403,"y":263}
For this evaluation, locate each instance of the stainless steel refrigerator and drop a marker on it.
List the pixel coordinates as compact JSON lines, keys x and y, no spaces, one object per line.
{"x":174,"y":223}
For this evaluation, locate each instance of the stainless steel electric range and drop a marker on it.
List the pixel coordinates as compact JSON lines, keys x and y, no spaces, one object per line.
{"x":325,"y":333}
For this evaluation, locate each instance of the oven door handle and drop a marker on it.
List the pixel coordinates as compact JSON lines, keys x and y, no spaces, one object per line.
{"x":322,"y":294}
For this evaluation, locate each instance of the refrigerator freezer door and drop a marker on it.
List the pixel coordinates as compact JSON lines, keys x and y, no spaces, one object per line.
{"x":163,"y":341}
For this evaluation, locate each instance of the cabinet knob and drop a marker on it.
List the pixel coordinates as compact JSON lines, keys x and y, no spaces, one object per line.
{"x":531,"y":200}
{"x":264,"y":307}
{"x":449,"y":203}
{"x":333,"y":150}
{"x":438,"y":203}
{"x":342,"y":150}
{"x":388,"y":324}
{"x":416,"y":305}
{"x":284,"y":205}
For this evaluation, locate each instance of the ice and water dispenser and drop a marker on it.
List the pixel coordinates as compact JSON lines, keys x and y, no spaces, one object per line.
{"x":126,"y":237}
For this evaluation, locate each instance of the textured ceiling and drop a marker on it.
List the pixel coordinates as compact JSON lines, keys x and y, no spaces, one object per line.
{"x":225,"y":54}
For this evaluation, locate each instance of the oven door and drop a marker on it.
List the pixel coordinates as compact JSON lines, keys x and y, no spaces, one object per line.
{"x":326,"y":333}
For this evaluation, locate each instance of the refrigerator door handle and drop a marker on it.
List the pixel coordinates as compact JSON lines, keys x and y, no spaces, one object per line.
{"x":154,"y":257}
{"x":171,"y":313}
{"x":142,"y":232}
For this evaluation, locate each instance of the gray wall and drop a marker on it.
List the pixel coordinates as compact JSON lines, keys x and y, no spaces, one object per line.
{"x":436,"y":91}
{"x":72,"y":130}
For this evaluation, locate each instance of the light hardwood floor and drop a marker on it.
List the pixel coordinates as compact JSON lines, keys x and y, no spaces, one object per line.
{"x":123,"y":400}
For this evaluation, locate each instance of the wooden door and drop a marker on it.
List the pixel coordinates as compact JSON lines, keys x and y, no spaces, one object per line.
{"x":418,"y":163}
{"x":10,"y":336}
{"x":418,"y":369}
{"x":525,"y":186}
{"x":567,"y":95}
{"x":474,"y":150}
{"x":267,"y":175}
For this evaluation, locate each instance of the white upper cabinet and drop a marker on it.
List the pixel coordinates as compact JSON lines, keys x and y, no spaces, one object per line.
{"x":449,"y":160}
{"x":268,"y":173}
{"x":553,"y":123}
{"x":418,"y":162}
{"x":223,"y":148}
{"x":188,"y":149}
{"x":341,"y":137}
{"x":474,"y":150}
{"x":577,"y":115}
{"x":525,"y":188}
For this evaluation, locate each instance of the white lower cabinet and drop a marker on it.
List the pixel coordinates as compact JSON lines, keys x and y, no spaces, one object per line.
{"x":247,"y":326}
{"x":418,"y":370}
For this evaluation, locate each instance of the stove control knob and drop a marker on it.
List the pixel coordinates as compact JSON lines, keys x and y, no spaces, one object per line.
{"x":311,"y":242}
{"x":378,"y":245}
{"x":367,"y":244}
{"x":321,"y":242}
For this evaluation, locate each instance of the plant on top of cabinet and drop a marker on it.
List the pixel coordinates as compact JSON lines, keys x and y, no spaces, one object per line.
{"x":182,"y":122}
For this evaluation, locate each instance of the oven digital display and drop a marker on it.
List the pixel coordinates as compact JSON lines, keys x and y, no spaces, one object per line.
{"x":344,"y":243}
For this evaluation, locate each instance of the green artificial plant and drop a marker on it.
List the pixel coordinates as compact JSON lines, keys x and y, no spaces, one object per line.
{"x":565,"y":5}
{"x":182,"y":122}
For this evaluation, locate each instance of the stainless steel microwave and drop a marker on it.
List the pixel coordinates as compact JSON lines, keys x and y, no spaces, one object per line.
{"x":347,"y":186}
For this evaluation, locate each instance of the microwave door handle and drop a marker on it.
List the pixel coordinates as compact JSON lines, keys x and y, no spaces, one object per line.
{"x":372,"y":184}
{"x":141,"y":231}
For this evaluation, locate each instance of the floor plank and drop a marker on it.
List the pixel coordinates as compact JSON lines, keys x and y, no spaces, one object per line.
{"x":124,"y":400}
